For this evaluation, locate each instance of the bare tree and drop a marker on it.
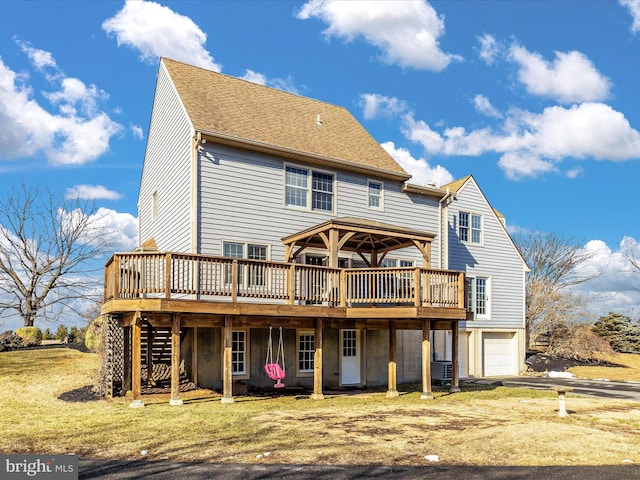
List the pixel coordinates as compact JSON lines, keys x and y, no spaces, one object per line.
{"x":629,"y":251}
{"x":47,"y":243}
{"x":555,"y":262}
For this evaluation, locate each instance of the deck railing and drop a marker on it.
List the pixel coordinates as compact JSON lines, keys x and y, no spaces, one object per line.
{"x":179,"y":275}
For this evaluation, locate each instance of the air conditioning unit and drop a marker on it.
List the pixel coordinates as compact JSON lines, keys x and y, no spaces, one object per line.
{"x":441,"y":371}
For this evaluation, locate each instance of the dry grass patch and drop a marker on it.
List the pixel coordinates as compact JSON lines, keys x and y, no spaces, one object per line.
{"x":627,"y":368}
{"x":492,"y":426}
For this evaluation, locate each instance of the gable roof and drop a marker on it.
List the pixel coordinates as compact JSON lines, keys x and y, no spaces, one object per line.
{"x":456,"y":184}
{"x":237,"y":112}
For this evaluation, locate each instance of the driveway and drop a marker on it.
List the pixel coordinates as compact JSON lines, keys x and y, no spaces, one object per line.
{"x":164,"y":470}
{"x":596,"y":388}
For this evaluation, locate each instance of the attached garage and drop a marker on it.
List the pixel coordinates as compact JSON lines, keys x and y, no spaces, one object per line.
{"x":499,"y":354}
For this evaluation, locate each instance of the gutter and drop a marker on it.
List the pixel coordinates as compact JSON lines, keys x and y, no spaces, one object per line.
{"x":300,"y":155}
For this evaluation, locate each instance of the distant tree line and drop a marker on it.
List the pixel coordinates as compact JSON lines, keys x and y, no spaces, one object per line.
{"x":556,"y":313}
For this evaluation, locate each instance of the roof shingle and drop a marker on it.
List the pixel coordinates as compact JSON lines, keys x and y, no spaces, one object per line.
{"x":233,"y":108}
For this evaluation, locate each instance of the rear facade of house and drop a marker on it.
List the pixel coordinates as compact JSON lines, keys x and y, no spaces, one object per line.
{"x":235,"y":170}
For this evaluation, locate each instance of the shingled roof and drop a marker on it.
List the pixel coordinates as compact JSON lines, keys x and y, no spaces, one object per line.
{"x":238,"y":112}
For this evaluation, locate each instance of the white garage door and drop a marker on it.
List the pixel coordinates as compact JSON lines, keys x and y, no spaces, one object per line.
{"x":499,"y":354}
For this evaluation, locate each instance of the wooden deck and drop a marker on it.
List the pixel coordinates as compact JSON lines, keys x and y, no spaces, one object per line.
{"x":177,"y":290}
{"x":198,"y":285}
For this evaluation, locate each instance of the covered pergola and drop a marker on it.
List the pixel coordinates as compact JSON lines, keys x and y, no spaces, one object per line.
{"x":371,"y":240}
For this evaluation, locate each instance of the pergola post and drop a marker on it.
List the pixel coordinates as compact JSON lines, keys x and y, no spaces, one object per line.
{"x":136,"y":361}
{"x":454,"y":358}
{"x":175,"y":360}
{"x":427,"y":393}
{"x":317,"y":363}
{"x":227,"y":368}
{"x":392,"y":388}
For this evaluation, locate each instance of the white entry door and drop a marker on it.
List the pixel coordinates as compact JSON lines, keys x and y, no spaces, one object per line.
{"x":350,"y":357}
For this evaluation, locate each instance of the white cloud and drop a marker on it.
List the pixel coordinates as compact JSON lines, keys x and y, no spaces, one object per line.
{"x":41,"y":59}
{"x":616,"y":287}
{"x":483,"y":105}
{"x":634,"y":10}
{"x":255,"y":77}
{"x":157,"y":31}
{"x":286,"y":85}
{"x":574,"y":172}
{"x":489,"y":48}
{"x":375,"y":106}
{"x":75,"y":93}
{"x":137,"y":131}
{"x":78,"y":133}
{"x":92,"y":192}
{"x":532,"y":144}
{"x":121,"y":229}
{"x":570,"y":78}
{"x":517,"y":165}
{"x":421,"y":172}
{"x":406,"y":32}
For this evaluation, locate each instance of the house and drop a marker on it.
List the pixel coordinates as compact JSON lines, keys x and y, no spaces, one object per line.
{"x":274,"y":229}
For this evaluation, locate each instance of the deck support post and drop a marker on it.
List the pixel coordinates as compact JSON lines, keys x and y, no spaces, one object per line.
{"x":175,"y":360}
{"x":427,"y":393}
{"x":126,"y":361}
{"x":136,"y":361}
{"x":227,"y":368}
{"x":317,"y":363}
{"x":454,"y":358}
{"x":392,"y":388}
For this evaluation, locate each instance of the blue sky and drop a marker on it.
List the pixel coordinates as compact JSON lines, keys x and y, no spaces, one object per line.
{"x":538,"y":100}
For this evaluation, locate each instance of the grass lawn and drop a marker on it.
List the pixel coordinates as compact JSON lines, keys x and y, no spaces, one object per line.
{"x":494,"y":426}
{"x":627,"y":367}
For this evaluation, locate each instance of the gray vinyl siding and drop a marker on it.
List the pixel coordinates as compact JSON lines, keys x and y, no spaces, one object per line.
{"x":242,"y":199}
{"x":496,"y":258}
{"x":167,"y":171}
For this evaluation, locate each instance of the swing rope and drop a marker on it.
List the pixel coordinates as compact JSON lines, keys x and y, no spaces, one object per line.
{"x":274,"y":370}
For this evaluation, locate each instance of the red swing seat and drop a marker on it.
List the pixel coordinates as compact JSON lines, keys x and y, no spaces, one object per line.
{"x":275,"y":372}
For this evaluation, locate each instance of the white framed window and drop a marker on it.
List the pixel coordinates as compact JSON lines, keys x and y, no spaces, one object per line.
{"x":254,"y":275}
{"x":240,"y":353}
{"x":396,"y":284}
{"x":306,"y":351}
{"x":375,"y":195}
{"x":396,"y":262}
{"x":470,"y":228}
{"x":478,"y":290}
{"x":309,"y":189}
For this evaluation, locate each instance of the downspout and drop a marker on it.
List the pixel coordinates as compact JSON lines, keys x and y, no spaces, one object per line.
{"x":195,"y":146}
{"x":443,"y":233}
